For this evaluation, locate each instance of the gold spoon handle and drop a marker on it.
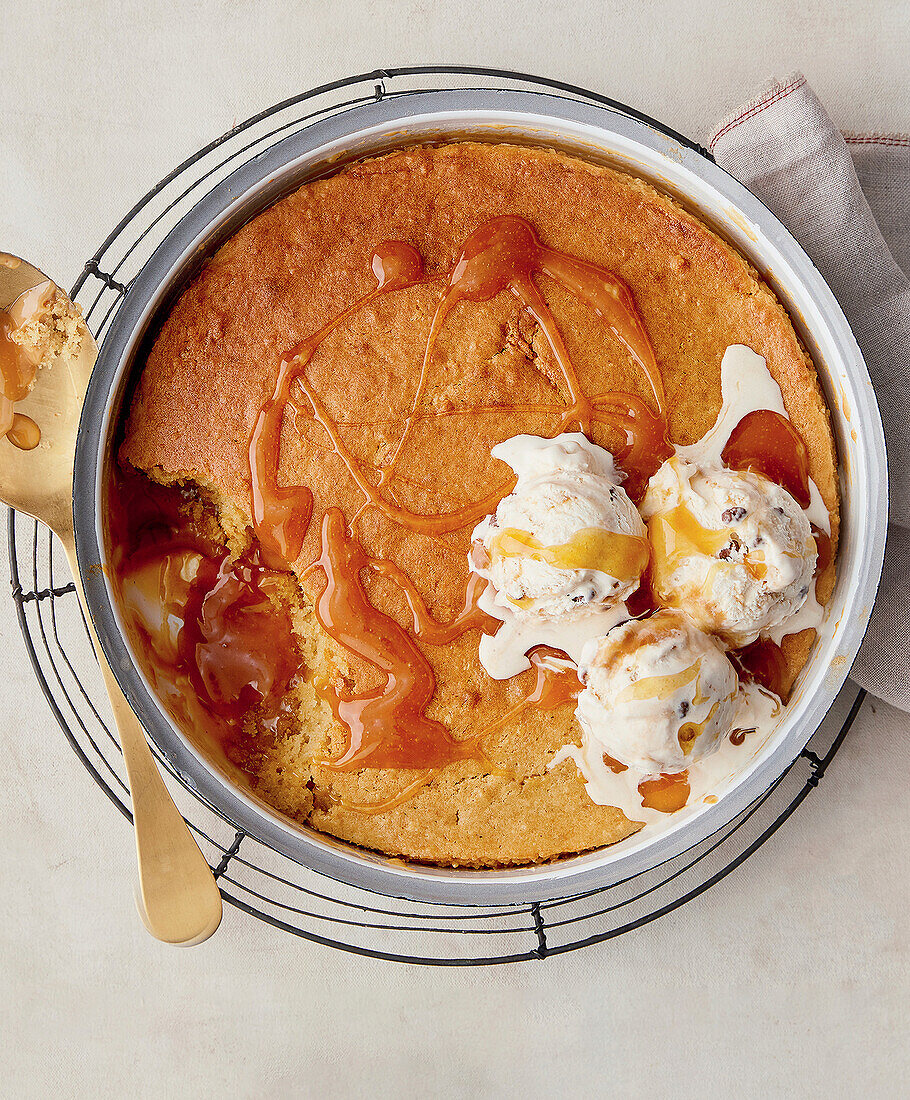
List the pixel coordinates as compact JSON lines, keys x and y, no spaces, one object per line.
{"x":179,"y":896}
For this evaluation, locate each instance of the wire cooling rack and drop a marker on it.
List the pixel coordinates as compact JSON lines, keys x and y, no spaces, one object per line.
{"x":253,"y":876}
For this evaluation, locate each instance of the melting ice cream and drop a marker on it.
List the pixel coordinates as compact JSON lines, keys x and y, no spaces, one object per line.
{"x":568,"y":538}
{"x":659,"y":693}
{"x":730,"y":548}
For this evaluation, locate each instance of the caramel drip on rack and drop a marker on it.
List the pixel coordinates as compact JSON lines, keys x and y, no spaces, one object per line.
{"x":612,"y":552}
{"x":387,"y":727}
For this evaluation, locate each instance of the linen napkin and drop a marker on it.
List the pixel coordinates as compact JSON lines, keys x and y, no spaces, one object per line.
{"x":846,"y":199}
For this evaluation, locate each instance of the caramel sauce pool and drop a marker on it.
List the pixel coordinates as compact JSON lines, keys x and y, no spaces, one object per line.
{"x":667,"y":792}
{"x":766,"y":442}
{"x":763,"y":663}
{"x":219,"y":642}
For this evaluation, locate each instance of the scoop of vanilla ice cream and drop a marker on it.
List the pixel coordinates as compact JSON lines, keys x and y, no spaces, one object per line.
{"x":659,"y":693}
{"x":568,"y":537}
{"x":730,"y":548}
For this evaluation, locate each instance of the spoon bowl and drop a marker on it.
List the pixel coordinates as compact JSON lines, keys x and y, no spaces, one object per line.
{"x":40,"y":482}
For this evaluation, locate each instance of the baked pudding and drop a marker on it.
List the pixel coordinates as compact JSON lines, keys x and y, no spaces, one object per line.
{"x":477,"y":505}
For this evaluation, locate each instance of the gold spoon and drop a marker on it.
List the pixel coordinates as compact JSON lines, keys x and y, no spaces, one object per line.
{"x":179,"y":898}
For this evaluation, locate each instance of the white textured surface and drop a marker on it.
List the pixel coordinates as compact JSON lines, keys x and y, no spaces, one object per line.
{"x":789,"y":979}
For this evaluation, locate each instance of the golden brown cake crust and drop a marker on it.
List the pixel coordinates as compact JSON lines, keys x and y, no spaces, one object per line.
{"x":293,"y":269}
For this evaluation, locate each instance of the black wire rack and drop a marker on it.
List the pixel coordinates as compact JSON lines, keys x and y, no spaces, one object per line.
{"x":253,"y":876}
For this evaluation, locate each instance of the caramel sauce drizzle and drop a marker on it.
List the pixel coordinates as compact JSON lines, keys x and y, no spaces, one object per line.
{"x":642,"y":601}
{"x":503,"y":254}
{"x":386,"y":727}
{"x":23,"y":433}
{"x":659,"y":687}
{"x":646,"y":440}
{"x":766,"y":442}
{"x":689,"y":732}
{"x":17,"y":374}
{"x":436,"y":524}
{"x":556,"y":684}
{"x":382,"y":806}
{"x":281,"y":514}
{"x":667,"y":792}
{"x":677,"y":534}
{"x":617,"y":554}
{"x":425,"y":627}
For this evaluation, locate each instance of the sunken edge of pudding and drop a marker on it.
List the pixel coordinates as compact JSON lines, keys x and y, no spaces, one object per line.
{"x":458,"y":768}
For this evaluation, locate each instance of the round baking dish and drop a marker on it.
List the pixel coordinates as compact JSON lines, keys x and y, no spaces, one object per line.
{"x":596,"y":133}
